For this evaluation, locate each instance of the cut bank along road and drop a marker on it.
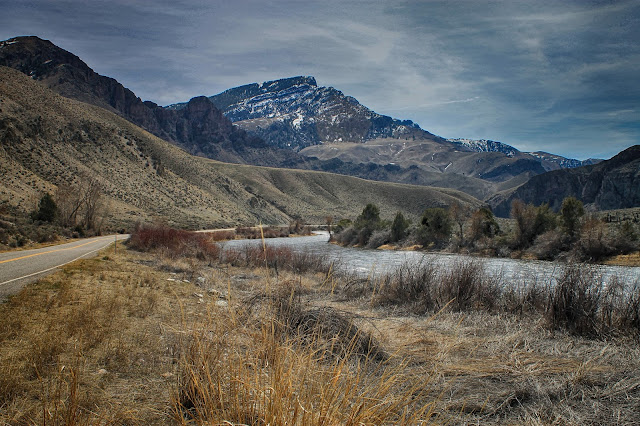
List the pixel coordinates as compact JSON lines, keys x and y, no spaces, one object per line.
{"x":19,"y":268}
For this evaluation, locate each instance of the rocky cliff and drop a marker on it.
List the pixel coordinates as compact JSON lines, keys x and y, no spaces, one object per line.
{"x":610,"y":184}
{"x":295,"y":113}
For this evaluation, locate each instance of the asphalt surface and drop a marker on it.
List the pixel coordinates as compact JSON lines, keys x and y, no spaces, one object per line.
{"x":19,"y":268}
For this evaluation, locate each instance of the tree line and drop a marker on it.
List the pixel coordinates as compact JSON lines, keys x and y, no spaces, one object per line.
{"x":532,"y":231}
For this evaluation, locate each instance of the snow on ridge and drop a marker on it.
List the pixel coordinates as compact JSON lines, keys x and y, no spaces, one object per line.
{"x":297,"y":122}
{"x":485,"y":145}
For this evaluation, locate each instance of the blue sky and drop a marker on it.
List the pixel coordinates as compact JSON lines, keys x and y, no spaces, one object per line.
{"x":558,"y":76}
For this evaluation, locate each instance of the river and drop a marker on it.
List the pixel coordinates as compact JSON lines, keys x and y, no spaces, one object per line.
{"x":370,"y":262}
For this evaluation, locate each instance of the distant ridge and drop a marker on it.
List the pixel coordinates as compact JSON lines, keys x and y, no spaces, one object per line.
{"x":548,"y":161}
{"x":610,"y":184}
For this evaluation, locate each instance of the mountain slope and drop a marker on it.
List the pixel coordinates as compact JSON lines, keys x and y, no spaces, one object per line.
{"x":610,"y":184}
{"x":47,"y":140}
{"x":200,"y":127}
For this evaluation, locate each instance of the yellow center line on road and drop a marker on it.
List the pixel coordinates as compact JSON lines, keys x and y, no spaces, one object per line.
{"x":50,"y":251}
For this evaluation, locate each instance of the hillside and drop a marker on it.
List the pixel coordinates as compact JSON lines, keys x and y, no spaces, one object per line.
{"x":610,"y":184}
{"x":200,"y":128}
{"x":47,"y":140}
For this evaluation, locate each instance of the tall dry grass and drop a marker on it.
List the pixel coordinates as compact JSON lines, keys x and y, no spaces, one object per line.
{"x":125,"y":340}
{"x":71,"y":343}
{"x":282,"y":258}
{"x":279,"y":363}
{"x":580,"y":300}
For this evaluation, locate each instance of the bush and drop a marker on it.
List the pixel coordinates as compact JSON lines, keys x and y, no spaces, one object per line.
{"x":574,"y":302}
{"x":399,"y":228}
{"x":425,"y":285}
{"x":570,"y":214}
{"x":483,"y":224}
{"x":347,"y":237}
{"x":435,"y":226}
{"x":594,"y":242}
{"x":465,"y":286}
{"x":378,"y":238}
{"x":174,"y":242}
{"x":548,"y":245}
{"x":411,"y":283}
{"x":530,"y":221}
{"x":47,"y":209}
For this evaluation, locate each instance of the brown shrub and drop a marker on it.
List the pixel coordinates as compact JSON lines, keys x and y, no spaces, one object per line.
{"x":175,"y":242}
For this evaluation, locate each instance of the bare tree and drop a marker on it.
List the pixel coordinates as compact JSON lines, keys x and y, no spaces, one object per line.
{"x":69,"y":201}
{"x":92,"y":202}
{"x":329,"y":221}
{"x":80,"y":203}
{"x":459,"y":214}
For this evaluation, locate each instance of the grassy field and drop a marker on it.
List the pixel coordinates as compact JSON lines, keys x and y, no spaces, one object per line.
{"x":180,"y":334}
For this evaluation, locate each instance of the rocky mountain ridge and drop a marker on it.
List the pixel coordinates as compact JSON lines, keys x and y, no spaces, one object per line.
{"x":199,"y":127}
{"x":295,"y":113}
{"x":610,"y":184}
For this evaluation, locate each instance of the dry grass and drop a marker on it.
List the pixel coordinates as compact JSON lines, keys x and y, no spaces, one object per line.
{"x":632,"y":259}
{"x":124,"y":339}
{"x":581,"y":301}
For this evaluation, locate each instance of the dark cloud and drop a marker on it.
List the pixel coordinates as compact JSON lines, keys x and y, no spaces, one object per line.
{"x":540,"y":75}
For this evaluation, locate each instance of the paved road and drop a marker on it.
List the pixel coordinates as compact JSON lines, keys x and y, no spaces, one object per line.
{"x":18,"y":268}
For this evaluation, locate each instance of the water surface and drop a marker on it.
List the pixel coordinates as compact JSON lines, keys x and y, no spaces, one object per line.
{"x":371,"y":262}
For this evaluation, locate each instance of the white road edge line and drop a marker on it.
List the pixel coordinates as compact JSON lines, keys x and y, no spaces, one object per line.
{"x":54,"y":267}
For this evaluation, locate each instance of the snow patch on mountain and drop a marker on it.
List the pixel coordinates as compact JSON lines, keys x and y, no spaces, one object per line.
{"x":549,"y":161}
{"x":485,"y":145}
{"x":303,"y":114}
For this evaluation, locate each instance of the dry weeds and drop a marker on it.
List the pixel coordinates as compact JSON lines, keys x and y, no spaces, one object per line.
{"x":136,"y":338}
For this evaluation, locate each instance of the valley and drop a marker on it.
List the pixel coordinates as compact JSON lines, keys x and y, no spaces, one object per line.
{"x":436,"y":304}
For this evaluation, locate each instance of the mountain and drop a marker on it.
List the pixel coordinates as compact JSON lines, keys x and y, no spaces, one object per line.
{"x":324,"y":124}
{"x":548,"y":161}
{"x":48,"y":141}
{"x":295,"y":113}
{"x":610,"y":184}
{"x":199,"y":127}
{"x":291,"y":123}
